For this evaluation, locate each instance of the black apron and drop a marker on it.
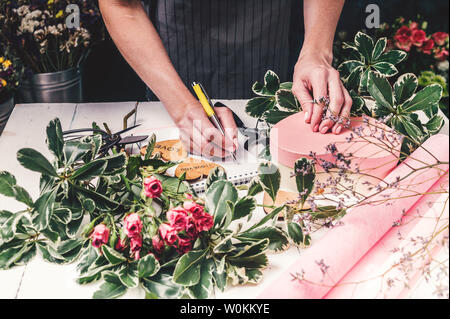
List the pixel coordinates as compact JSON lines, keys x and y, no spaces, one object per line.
{"x":226,"y":45}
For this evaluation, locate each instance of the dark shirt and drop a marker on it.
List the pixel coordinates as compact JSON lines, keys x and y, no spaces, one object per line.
{"x":226,"y":45}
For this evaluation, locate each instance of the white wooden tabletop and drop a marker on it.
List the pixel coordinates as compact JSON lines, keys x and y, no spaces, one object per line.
{"x":26,"y":128}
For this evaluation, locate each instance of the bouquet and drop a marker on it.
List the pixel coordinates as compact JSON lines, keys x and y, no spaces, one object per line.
{"x":10,"y":73}
{"x":37,"y":31}
{"x":129,"y":224}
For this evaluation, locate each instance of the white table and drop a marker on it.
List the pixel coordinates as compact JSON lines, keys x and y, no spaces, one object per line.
{"x":26,"y":128}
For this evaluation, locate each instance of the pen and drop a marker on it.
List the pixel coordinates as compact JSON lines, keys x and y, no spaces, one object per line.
{"x":209,"y":108}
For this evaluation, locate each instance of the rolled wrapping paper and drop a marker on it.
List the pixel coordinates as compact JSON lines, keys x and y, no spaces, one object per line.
{"x":290,"y":140}
{"x":327,"y":261}
{"x":368,"y":278}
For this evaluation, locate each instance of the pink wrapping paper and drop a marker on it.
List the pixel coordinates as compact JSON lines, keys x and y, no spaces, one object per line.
{"x":363,"y":227}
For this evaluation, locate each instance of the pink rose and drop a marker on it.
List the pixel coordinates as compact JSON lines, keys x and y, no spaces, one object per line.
{"x":418,"y":37}
{"x":184,"y":246}
{"x":168,"y":234}
{"x":177,"y":218}
{"x":133,"y":225}
{"x":440,"y":37}
{"x":152,"y":187}
{"x":205,"y":222}
{"x":413,"y":25}
{"x":120,"y":245}
{"x":428,"y":45}
{"x":135,"y":246}
{"x":100,"y":235}
{"x":441,"y":55}
{"x":191,"y":227}
{"x":195,"y":209}
{"x":403,"y":38}
{"x":158,"y":244}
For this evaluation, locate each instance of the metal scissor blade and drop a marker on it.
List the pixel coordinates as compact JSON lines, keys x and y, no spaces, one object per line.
{"x":81,"y":130}
{"x":132,"y":139}
{"x":127,"y":129}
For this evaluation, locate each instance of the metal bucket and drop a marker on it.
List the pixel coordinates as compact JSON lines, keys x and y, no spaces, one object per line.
{"x":6,"y":109}
{"x":57,"y":87}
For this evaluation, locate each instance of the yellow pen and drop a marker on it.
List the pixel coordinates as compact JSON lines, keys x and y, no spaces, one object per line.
{"x":208,"y":107}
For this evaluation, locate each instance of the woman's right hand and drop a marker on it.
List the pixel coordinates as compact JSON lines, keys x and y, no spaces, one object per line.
{"x":199,"y":135}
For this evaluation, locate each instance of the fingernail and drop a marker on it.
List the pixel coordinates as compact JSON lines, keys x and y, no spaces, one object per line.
{"x":306,"y":116}
{"x":324,"y":130}
{"x":339,"y":130}
{"x":316,"y":128}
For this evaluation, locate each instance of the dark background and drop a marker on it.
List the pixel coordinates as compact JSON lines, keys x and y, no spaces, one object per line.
{"x":108,"y":78}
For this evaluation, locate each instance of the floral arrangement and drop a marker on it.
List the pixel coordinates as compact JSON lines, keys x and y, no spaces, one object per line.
{"x":38,"y":33}
{"x":10,"y":73}
{"x":129,"y":224}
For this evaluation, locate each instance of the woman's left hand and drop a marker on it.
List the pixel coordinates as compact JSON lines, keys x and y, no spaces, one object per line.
{"x":315,"y":78}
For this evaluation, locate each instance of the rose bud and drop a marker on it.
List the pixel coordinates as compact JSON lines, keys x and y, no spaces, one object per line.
{"x":133,"y":225}
{"x":120,"y":245}
{"x":152,"y":187}
{"x":168,"y":234}
{"x":135,"y":246}
{"x":204,"y":223}
{"x":195,"y":209}
{"x":100,"y":235}
{"x":184,"y":246}
{"x":191,"y":227}
{"x":158,"y":244}
{"x":177,"y":218}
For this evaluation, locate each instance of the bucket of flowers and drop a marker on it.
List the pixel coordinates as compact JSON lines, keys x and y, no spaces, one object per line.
{"x":47,"y":37}
{"x":10,"y":73}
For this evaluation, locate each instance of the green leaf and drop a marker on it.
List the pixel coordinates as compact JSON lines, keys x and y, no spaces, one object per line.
{"x":405,"y":87}
{"x":162,"y":286}
{"x":55,"y":140}
{"x":286,"y":86}
{"x":89,"y":170}
{"x":380,"y":46}
{"x":9,"y":188}
{"x":73,"y":151}
{"x":254,"y":187}
{"x":116,"y":164}
{"x":128,"y":275}
{"x":203,"y":289}
{"x":50,"y":254}
{"x":287,"y":101}
{"x":270,"y":178}
{"x":424,"y":99}
{"x":102,"y":202}
{"x":273,"y":215}
{"x":411,"y":129}
{"x":253,"y":262}
{"x":305,"y":175}
{"x":327,"y":211}
{"x":244,"y":207}
{"x":216,"y":174}
{"x":365,"y":46}
{"x":112,"y":255}
{"x":216,"y":199}
{"x":435,"y":124}
{"x":187,"y":270}
{"x":295,"y":233}
{"x":150,"y":147}
{"x":64,"y":215}
{"x":256,"y":107}
{"x":260,"y":89}
{"x":250,"y":249}
{"x":87,"y":258}
{"x":385,"y":69}
{"x":274,"y":116}
{"x":277,"y":238}
{"x":393,"y":57}
{"x":347,"y":67}
{"x":35,"y":161}
{"x":11,"y":255}
{"x":148,"y":266}
{"x":111,"y":288}
{"x":43,"y":209}
{"x":225,"y":246}
{"x":380,"y":89}
{"x":364,"y":80}
{"x":354,"y":79}
{"x":271,"y":82}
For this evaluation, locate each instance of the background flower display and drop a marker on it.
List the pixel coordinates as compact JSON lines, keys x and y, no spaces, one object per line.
{"x":10,"y":74}
{"x":38,"y":33}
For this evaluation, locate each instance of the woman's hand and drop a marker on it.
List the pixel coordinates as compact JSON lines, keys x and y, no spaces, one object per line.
{"x":315,"y":78}
{"x":199,"y":135}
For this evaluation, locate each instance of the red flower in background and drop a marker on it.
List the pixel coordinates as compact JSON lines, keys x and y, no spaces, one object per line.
{"x":120,"y":245}
{"x":403,"y":38}
{"x":440,"y":38}
{"x":135,"y":246}
{"x":418,"y":37}
{"x":195,"y":209}
{"x":177,"y":218}
{"x":441,"y":54}
{"x":191,"y":227}
{"x":184,"y":245}
{"x":158,"y":244}
{"x":168,"y":234}
{"x":100,"y":235}
{"x":428,"y":45}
